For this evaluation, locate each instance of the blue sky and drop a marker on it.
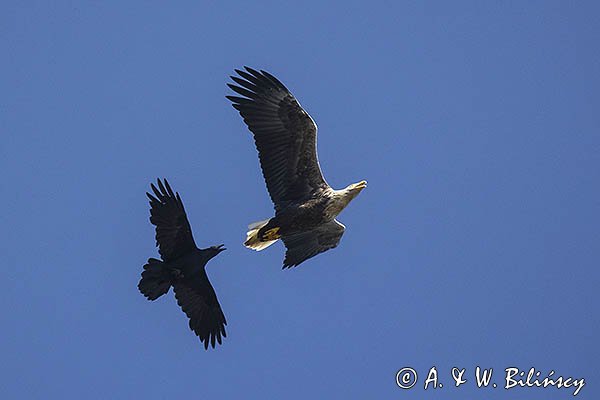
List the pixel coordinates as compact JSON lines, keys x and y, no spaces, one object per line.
{"x":476,"y":243}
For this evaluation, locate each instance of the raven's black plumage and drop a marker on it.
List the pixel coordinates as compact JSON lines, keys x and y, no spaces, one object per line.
{"x":182,"y":266}
{"x":286,"y":140}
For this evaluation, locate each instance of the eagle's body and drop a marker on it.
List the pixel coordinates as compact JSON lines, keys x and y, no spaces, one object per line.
{"x":182,"y":267}
{"x":308,"y":214}
{"x":285,"y":136}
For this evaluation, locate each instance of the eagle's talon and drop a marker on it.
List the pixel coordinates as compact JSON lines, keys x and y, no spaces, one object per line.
{"x":271,"y":234}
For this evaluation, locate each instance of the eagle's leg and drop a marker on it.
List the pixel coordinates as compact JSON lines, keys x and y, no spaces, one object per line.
{"x":271,"y":234}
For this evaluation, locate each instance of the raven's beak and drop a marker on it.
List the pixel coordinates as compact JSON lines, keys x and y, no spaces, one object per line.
{"x":221,"y":248}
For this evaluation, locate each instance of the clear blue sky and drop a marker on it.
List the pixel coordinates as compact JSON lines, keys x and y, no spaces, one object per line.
{"x":477,"y":241}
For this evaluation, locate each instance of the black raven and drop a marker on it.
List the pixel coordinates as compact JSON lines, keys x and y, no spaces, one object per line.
{"x":182,"y":266}
{"x":286,"y":140}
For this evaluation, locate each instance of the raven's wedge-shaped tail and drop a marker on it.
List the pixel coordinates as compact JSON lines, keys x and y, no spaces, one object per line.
{"x":156,"y":279}
{"x":253,"y":241}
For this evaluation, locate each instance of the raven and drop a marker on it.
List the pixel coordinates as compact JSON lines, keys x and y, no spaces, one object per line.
{"x":182,"y":266}
{"x":286,"y":140}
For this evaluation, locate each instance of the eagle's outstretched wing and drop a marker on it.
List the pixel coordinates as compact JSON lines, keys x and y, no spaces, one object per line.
{"x":285,"y":136}
{"x":196,"y":297}
{"x":173,"y":232}
{"x":304,"y":245}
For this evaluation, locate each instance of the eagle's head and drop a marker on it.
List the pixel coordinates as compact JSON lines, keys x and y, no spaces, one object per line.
{"x":354,"y":189}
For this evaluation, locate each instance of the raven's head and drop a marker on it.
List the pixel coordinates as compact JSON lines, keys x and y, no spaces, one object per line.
{"x":212,"y":251}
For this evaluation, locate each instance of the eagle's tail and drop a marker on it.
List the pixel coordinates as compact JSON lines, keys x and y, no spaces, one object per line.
{"x":156,"y":279}
{"x":252,"y":240}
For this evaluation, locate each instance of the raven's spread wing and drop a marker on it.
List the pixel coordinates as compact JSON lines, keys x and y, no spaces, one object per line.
{"x":173,"y":232}
{"x":285,"y":136}
{"x":304,"y":245}
{"x":196,"y":297}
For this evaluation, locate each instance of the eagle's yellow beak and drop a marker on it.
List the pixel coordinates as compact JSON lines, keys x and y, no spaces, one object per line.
{"x":361,"y":185}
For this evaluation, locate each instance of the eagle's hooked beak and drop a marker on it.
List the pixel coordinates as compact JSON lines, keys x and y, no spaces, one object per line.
{"x":361,"y":185}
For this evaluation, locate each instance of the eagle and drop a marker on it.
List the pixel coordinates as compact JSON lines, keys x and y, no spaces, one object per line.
{"x":182,"y":266}
{"x":286,"y":141}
